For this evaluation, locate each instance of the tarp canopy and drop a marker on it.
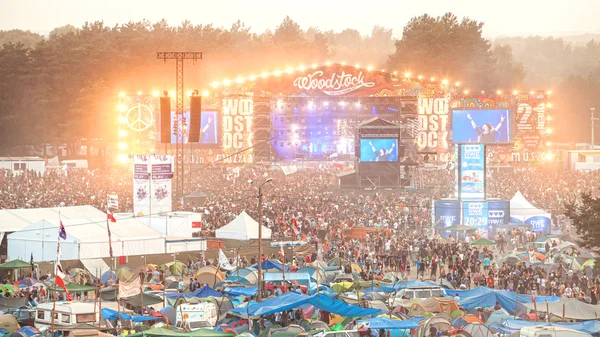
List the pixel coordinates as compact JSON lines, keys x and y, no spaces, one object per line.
{"x":236,"y":291}
{"x":13,"y":220}
{"x":288,"y":277}
{"x":113,"y":315}
{"x":96,"y":267}
{"x":243,"y":227}
{"x":591,"y":327}
{"x":389,"y":324}
{"x":74,"y":288}
{"x":203,"y":292}
{"x":573,"y":309}
{"x":170,"y":333}
{"x":486,"y":298}
{"x":292,"y":300}
{"x":409,"y":284}
{"x":271,"y":264}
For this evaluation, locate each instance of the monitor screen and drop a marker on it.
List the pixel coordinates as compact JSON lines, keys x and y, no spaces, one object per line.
{"x":379,"y":149}
{"x":481,"y":126}
{"x":209,"y":127}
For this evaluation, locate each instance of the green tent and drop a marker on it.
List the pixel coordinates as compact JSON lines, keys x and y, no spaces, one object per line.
{"x":76,"y":288}
{"x":174,"y":268}
{"x":459,"y":228}
{"x":170,"y":333}
{"x":15,"y":264}
{"x":483,"y":242}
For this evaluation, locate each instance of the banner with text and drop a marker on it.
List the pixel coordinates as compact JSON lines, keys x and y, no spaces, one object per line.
{"x":472,"y":172}
{"x":433,"y":126}
{"x":446,"y":214}
{"x":475,"y":214}
{"x":152,"y":192}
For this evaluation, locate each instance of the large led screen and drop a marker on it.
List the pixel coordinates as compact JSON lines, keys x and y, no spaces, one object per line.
{"x":378,"y":149}
{"x":481,"y":126}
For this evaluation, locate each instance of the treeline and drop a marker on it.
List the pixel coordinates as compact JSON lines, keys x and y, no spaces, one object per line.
{"x":61,"y":87}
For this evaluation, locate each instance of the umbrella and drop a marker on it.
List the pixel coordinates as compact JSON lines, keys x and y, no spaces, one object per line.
{"x":28,"y":282}
{"x":483,"y":242}
{"x":459,"y":228}
{"x":15,"y":264}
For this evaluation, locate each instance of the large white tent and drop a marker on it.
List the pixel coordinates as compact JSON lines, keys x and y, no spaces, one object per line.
{"x":522,"y":211}
{"x":86,"y":239}
{"x":243,"y":227}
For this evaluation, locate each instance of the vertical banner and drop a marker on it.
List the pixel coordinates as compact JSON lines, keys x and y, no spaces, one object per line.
{"x":472,"y":172}
{"x":447,"y":213}
{"x":498,"y":215}
{"x":152,"y":194}
{"x":433,"y":125}
{"x":238,"y":115}
{"x":475,"y":214}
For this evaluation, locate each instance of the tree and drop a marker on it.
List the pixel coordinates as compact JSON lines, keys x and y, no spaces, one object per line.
{"x":445,"y":47}
{"x":585,"y":214}
{"x":25,"y":37}
{"x":509,"y":74}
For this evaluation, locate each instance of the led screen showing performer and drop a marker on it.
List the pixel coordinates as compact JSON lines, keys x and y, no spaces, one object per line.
{"x":378,"y":149}
{"x":209,"y":132}
{"x":481,"y":126}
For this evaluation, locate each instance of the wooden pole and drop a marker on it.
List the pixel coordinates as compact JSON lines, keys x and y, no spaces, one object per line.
{"x":563,"y":313}
{"x":142,"y":296}
{"x":97,"y":293}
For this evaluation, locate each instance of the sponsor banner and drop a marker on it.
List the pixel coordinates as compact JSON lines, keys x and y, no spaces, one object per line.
{"x":472,"y":172}
{"x":475,"y":214}
{"x":498,"y":213}
{"x":539,"y":223}
{"x":238,"y":117}
{"x":447,"y":213}
{"x":152,"y":193}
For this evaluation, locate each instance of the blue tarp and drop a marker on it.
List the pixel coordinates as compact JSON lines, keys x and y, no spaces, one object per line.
{"x":293,"y":300}
{"x":591,"y":327}
{"x":235,"y":291}
{"x":112,"y":315}
{"x":203,"y":292}
{"x":485,"y":297}
{"x":389,"y":324}
{"x":271,"y":264}
{"x":409,"y":284}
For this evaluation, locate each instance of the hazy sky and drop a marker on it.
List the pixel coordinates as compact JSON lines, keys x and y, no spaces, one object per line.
{"x":501,"y":17}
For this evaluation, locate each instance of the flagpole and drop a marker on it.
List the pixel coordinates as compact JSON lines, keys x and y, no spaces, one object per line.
{"x":55,"y":266}
{"x":110,"y":250}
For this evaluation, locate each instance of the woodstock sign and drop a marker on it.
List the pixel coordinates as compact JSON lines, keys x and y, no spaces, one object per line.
{"x":334,"y":84}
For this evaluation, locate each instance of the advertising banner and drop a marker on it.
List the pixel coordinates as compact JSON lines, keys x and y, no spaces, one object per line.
{"x":475,"y":214}
{"x":447,"y":213}
{"x":472,"y":172}
{"x":152,"y":191}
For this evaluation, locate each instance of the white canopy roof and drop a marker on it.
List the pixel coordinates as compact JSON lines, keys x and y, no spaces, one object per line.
{"x":86,"y":239}
{"x":521,"y":208}
{"x":12,"y":220}
{"x":243,"y":227}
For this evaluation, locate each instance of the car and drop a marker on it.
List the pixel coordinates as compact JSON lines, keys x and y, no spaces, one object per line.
{"x":24,"y":316}
{"x":421,"y":292}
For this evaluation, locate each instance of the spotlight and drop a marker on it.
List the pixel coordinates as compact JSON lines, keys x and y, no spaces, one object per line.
{"x":122,"y":107}
{"x":122,"y":146}
{"x":123,"y":158}
{"x":140,"y":93}
{"x":407,"y":74}
{"x":172,"y":93}
{"x":205,"y":93}
{"x":155,"y":93}
{"x":122,"y":133}
{"x":326,"y":103}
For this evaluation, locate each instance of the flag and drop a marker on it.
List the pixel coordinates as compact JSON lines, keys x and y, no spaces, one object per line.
{"x":60,"y":279}
{"x":61,"y":231}
{"x":31,"y":262}
{"x":295,"y":228}
{"x":262,"y":165}
{"x":110,"y":216}
{"x":282,"y":254}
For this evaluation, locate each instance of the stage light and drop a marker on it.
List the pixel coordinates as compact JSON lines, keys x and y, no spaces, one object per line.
{"x":301,"y":68}
{"x":226,"y":83}
{"x":549,"y":92}
{"x":277,"y":72}
{"x":406,"y":74}
{"x":314,"y":65}
{"x":499,"y":92}
{"x":152,"y":150}
{"x":140,"y":93}
{"x":188,"y":93}
{"x":432,"y":79}
{"x":369,"y":68}
{"x":357,"y":65}
{"x":357,"y":104}
{"x":214,"y":84}
{"x":311,"y":105}
{"x":122,"y":120}
{"x":326,"y":103}
{"x":122,"y":107}
{"x":383,"y":70}
{"x":155,"y":93}
{"x":289,"y":70}
{"x":531,"y":92}
{"x":122,"y":94}
{"x":279,"y":104}
{"x":205,"y":93}
{"x":252,"y":77}
{"x":240,"y":80}
{"x":342,"y":103}
{"x":122,"y":133}
{"x":264,"y":75}
{"x":122,"y":146}
{"x":548,"y":143}
{"x":395,"y":73}
{"x":549,"y":131}
{"x":548,"y":156}
{"x":482,"y":92}
{"x":515,"y":92}
{"x":466,"y":92}
{"x":172,"y":93}
{"x":457,"y":84}
{"x":548,"y":105}
{"x":123,"y":158}
{"x":445,"y":82}
{"x":328,"y":63}
{"x":420,"y":77}
{"x":343,"y":63}
{"x":548,"y":118}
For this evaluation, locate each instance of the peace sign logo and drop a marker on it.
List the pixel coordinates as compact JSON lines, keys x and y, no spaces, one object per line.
{"x":139,"y":117}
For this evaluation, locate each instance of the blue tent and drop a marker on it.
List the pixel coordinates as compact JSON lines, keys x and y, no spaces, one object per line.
{"x":591,"y":327}
{"x":388,"y":324}
{"x":271,"y":264}
{"x":485,"y":297}
{"x":409,"y":284}
{"x":112,"y":315}
{"x":203,"y":292}
{"x":235,"y":291}
{"x":293,"y":300}
{"x":107,"y":276}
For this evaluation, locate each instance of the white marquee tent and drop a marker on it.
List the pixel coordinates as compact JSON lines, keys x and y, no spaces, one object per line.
{"x":243,"y":227}
{"x":522,"y":211}
{"x":86,"y":239}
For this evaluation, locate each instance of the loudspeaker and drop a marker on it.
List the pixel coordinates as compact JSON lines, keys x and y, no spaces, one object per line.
{"x":165,"y":119}
{"x":195,"y":108}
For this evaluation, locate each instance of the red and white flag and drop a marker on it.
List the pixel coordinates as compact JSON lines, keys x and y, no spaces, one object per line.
{"x":109,"y":215}
{"x":295,"y":228}
{"x":60,"y":279}
{"x":282,"y":254}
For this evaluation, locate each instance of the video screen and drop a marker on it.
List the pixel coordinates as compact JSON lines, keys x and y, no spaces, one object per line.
{"x":379,"y":149}
{"x":209,"y":127}
{"x":481,"y":126}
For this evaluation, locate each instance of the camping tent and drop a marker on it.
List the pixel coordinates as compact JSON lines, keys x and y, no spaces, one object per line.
{"x":522,"y":211}
{"x":243,"y":227}
{"x":568,"y":308}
